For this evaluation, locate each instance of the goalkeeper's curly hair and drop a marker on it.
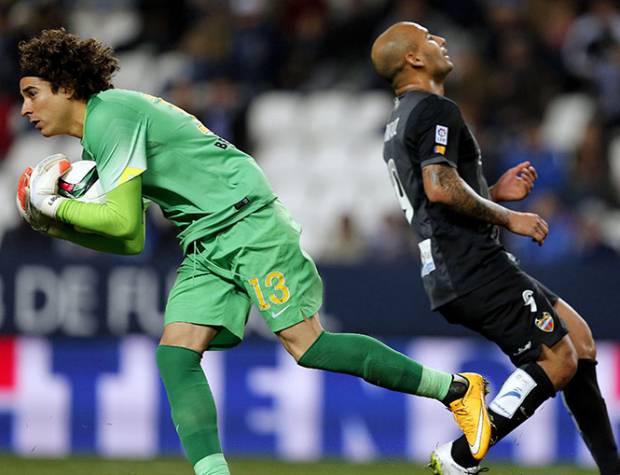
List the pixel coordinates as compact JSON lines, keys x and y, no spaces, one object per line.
{"x":65,"y":60}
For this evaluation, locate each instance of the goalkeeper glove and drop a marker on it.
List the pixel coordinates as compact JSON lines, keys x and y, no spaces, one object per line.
{"x":36,"y":220}
{"x":44,"y":184}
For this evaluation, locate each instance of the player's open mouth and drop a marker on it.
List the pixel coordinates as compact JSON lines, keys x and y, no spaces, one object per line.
{"x":35,"y":123}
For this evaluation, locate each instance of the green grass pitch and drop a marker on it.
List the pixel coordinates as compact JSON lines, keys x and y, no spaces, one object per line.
{"x":10,"y":465}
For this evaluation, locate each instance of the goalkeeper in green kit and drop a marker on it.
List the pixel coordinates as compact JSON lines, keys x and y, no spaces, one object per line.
{"x":240,"y":245}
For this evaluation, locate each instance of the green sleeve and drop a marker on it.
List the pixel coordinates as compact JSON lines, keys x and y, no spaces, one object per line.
{"x":98,"y":243}
{"x":116,"y":226}
{"x":120,"y":217}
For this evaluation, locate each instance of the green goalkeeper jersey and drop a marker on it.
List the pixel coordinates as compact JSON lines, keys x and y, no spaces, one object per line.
{"x":201,"y":182}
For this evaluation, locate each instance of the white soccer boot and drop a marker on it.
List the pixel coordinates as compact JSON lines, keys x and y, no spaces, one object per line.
{"x":442,"y":463}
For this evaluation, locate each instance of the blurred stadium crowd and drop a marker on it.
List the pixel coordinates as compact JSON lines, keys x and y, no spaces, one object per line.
{"x":290,"y":82}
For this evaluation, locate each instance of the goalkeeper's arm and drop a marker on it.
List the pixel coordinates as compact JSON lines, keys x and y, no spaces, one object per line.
{"x":117,"y":225}
{"x":96,"y":242}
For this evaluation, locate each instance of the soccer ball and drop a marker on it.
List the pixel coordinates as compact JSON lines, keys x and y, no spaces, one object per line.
{"x":81,"y":183}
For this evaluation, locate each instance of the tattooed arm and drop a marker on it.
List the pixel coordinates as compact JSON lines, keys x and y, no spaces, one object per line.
{"x":443,"y":184}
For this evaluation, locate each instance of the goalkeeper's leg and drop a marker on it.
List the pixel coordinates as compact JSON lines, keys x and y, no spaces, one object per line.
{"x":191,"y":402}
{"x":363,"y":356}
{"x":368,"y":358}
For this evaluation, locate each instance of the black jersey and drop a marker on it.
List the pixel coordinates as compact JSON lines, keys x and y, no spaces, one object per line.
{"x":458,"y":253}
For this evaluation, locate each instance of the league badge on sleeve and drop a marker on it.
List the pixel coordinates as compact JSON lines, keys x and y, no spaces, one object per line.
{"x":441,"y":134}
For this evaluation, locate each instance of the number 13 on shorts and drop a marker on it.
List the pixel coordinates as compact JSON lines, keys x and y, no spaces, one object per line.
{"x":277,"y":291}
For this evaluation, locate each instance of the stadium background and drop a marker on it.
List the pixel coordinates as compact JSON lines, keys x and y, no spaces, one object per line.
{"x":290,"y":82}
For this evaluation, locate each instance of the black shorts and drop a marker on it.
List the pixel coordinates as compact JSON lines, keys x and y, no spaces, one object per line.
{"x":514,"y":311}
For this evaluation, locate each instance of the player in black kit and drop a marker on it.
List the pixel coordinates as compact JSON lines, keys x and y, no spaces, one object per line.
{"x":436,"y":168}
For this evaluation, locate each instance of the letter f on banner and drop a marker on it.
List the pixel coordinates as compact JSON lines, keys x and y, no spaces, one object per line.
{"x":528,"y":298}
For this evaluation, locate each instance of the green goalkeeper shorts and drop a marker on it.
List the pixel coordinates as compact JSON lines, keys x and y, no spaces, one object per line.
{"x":257,"y":260}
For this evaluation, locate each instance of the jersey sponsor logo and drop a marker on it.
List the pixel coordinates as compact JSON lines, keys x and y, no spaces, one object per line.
{"x":441,"y":134}
{"x":440,"y":149}
{"x":390,"y":130}
{"x":277,"y":314}
{"x":528,"y":298}
{"x":545,"y":323}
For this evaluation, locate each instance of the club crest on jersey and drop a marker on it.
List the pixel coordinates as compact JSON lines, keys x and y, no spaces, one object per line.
{"x":545,"y":323}
{"x":441,"y":134}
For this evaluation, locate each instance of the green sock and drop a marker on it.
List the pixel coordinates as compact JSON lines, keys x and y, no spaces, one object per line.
{"x":192,"y":406}
{"x":212,"y":465}
{"x":361,"y":355}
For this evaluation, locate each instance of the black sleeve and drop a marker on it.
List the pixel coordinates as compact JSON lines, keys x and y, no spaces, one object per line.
{"x":433,"y":133}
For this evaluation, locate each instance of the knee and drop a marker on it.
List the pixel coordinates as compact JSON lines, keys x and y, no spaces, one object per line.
{"x":293,"y":349}
{"x":568,"y":368}
{"x":560,"y":364}
{"x":585,"y":346}
{"x":188,"y":335}
{"x":579,"y":331}
{"x":298,"y":339}
{"x":297,"y":347}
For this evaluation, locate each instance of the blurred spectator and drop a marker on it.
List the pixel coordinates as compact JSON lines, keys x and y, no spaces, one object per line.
{"x":162,"y":24}
{"x":218,"y":103}
{"x":591,"y":241}
{"x":187,"y":95}
{"x":209,"y":44}
{"x":8,"y":51}
{"x":6,"y":133}
{"x":258,"y":45}
{"x":561,"y":243}
{"x":224,"y":109}
{"x":393,"y":240}
{"x":305,"y":24}
{"x":520,"y":86}
{"x":552,"y":34}
{"x":527,"y":145}
{"x":29,"y":18}
{"x":592,"y":52}
{"x":590,"y":177}
{"x":346,"y":244}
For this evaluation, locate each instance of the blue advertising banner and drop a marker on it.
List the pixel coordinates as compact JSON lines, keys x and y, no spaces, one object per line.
{"x":103,"y":396}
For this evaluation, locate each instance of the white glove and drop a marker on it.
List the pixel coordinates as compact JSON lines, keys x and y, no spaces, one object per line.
{"x":36,"y":220}
{"x":44,"y":184}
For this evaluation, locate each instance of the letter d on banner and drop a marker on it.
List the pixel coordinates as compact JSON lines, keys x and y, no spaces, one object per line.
{"x":36,"y":300}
